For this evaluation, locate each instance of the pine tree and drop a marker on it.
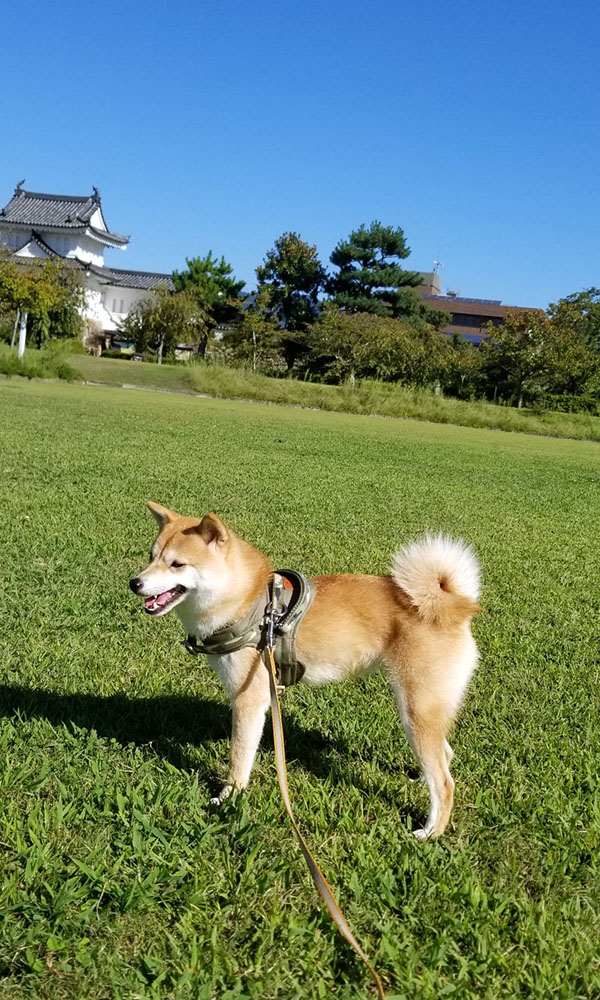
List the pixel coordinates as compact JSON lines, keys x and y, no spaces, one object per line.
{"x":290,"y":279}
{"x":371,"y":279}
{"x":212,"y":283}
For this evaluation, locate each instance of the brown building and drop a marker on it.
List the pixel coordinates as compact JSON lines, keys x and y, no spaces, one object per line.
{"x":469,"y":317}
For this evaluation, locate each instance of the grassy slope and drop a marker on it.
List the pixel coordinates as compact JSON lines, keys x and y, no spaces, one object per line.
{"x":369,"y":397}
{"x":117,"y":879}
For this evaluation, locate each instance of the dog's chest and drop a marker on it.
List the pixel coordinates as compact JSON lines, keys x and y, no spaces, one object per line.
{"x":231,"y":669}
{"x":196,"y":620}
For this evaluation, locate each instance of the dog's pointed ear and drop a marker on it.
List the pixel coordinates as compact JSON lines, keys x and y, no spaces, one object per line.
{"x":213,"y":530}
{"x":162,"y":515}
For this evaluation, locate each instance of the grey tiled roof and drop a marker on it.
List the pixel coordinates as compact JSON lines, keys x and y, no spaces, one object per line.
{"x":32,"y":208}
{"x":144,"y":280}
{"x":147,"y":280}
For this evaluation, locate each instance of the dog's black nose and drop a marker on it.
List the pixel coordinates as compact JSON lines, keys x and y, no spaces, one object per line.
{"x":136,"y":584}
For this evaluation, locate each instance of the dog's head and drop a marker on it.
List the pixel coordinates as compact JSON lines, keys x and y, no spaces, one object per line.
{"x":187,"y":561}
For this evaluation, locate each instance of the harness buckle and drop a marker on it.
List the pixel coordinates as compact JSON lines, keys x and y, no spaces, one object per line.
{"x":270,"y":625}
{"x":272,"y":616}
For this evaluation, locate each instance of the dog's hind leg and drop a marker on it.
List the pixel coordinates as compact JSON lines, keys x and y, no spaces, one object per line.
{"x":431,"y":752}
{"x":426,"y":726}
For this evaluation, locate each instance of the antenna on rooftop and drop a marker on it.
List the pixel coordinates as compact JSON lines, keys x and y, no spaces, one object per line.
{"x":437,"y":266}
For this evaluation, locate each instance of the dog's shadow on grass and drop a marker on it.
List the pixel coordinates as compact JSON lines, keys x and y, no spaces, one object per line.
{"x":170,"y":726}
{"x":166,"y":725}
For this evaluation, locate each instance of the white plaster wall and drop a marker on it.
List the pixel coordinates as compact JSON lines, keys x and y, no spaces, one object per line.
{"x":120,"y":301}
{"x":94,"y":304}
{"x":100,"y":300}
{"x":69,"y":244}
{"x":82,"y":247}
{"x":31,"y":250}
{"x":96,"y":220}
{"x":11,"y":239}
{"x":66,"y":244}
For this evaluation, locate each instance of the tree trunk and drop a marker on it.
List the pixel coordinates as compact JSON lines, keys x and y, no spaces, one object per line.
{"x":160,"y":350}
{"x":15,"y":325}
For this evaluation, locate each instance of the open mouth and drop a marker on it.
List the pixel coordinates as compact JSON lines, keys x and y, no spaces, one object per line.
{"x":163,"y":602}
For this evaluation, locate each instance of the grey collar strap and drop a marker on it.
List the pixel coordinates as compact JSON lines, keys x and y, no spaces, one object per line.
{"x":287,"y":599}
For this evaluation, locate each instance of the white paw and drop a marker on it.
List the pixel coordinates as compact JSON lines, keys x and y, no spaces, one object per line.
{"x":223,"y":795}
{"x":422,"y":834}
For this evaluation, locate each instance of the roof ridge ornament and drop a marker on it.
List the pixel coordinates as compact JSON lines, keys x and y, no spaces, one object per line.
{"x":95,"y":194}
{"x":19,"y":188}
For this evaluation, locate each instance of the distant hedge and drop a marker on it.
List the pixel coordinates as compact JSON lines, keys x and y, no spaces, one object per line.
{"x":567,"y":403}
{"x":118,"y":355}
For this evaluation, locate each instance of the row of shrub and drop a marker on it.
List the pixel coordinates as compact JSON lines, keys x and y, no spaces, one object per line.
{"x":48,"y":363}
{"x":51,"y":363}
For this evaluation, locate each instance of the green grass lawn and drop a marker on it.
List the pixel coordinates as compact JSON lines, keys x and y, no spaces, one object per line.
{"x":366,"y":397}
{"x":119,"y":881}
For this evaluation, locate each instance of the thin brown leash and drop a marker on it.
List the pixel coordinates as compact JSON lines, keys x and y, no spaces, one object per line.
{"x":318,"y":878}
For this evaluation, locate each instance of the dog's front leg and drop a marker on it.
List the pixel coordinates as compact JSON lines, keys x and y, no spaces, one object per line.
{"x":246,"y":679}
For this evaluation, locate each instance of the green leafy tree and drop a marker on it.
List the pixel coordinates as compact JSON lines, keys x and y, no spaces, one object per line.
{"x":370,"y":277}
{"x":211,"y":282}
{"x":61,"y":298}
{"x":532,"y":353}
{"x":515,"y":354}
{"x":573,"y":363}
{"x":346,"y":346}
{"x":256,"y":337}
{"x":581,"y":313}
{"x":158,"y":324}
{"x":11,"y":282}
{"x":50,"y":292}
{"x":462,"y":375}
{"x":291,"y":277}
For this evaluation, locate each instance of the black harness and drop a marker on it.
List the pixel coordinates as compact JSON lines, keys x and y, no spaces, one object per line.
{"x":281,"y":608}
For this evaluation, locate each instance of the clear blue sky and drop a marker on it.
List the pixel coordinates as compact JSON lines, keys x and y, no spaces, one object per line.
{"x":472,"y":125}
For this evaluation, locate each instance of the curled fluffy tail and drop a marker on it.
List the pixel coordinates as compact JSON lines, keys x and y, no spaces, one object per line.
{"x":441,"y":577}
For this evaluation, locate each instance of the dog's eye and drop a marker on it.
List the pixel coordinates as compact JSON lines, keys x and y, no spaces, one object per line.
{"x":177,"y":565}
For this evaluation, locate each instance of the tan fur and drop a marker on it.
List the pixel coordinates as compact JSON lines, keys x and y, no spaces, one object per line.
{"x":413,"y":625}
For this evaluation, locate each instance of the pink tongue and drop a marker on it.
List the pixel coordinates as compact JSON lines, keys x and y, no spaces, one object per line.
{"x":161,"y":600}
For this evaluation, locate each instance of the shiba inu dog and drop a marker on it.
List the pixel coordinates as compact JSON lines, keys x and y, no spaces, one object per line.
{"x":414,"y":625}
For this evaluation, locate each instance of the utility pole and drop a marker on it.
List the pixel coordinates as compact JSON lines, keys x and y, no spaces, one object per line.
{"x":15,"y":325}
{"x":22,"y":334}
